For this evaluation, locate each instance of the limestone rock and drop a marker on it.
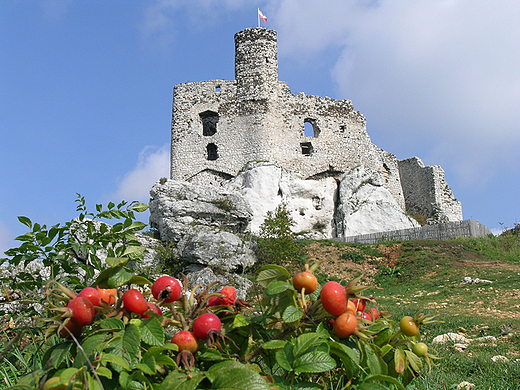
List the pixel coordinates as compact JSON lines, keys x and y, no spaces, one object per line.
{"x":205,"y":276}
{"x":450,"y":337}
{"x":310,"y":202}
{"x":220,"y":249}
{"x":366,"y":206}
{"x":177,"y":207}
{"x":206,"y":223}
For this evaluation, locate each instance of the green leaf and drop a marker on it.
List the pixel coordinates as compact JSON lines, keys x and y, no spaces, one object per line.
{"x":385,"y":378}
{"x":306,"y":386}
{"x":93,"y":384}
{"x":124,"y":379}
{"x":152,"y":332}
{"x":212,"y":356}
{"x":278,"y":287}
{"x":25,"y":237}
{"x":119,"y":277}
{"x":322,"y":330}
{"x":165,"y":347}
{"x":385,"y":349}
{"x":116,"y":261}
{"x":285,"y":357}
{"x":314,"y":362}
{"x":105,"y":372}
{"x":67,"y":374}
{"x":165,"y":360}
{"x":134,"y":252}
{"x":145,"y":368}
{"x":139,"y":280}
{"x":131,"y":340}
{"x":372,"y":386}
{"x":274,"y":344}
{"x":305,"y":341}
{"x":140,"y":207}
{"x":348,"y":357}
{"x":56,"y":354}
{"x":240,"y":321}
{"x":114,"y":359}
{"x":112,"y":323}
{"x":90,"y":344}
{"x":292,"y":314}
{"x":136,"y":225}
{"x":399,"y":360}
{"x":271,"y":273}
{"x":26,"y":221}
{"x":414,"y":360}
{"x":234,"y":375}
{"x":374,"y":362}
{"x":179,"y":381}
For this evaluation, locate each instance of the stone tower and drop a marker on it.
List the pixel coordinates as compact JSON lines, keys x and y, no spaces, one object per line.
{"x":256,"y":64}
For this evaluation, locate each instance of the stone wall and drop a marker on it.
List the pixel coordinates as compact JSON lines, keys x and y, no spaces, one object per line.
{"x":441,"y":231}
{"x":427,"y":193}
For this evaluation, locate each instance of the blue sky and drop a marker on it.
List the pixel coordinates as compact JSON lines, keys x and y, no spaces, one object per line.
{"x":86,"y":90}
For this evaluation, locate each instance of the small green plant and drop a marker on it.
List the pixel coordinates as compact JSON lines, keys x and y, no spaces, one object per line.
{"x":276,"y":243}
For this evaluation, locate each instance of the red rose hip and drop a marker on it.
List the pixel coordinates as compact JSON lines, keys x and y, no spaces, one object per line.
{"x":334,"y":298}
{"x":82,"y":311}
{"x":204,"y":324}
{"x":134,"y":301}
{"x":166,"y":289}
{"x":186,"y":341}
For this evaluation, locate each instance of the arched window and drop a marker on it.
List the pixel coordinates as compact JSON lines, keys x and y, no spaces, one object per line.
{"x":311,"y":129}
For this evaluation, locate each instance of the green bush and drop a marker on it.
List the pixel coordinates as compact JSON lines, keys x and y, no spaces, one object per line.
{"x":276,"y":243}
{"x":282,"y":339}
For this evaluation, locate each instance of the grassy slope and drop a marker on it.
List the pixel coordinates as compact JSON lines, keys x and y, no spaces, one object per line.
{"x":427,"y":275}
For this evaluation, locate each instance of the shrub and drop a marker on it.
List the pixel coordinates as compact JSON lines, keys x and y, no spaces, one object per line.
{"x":276,"y":243}
{"x":283,"y":339}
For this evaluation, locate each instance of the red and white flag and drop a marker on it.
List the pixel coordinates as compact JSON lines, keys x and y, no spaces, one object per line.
{"x":261,"y":16}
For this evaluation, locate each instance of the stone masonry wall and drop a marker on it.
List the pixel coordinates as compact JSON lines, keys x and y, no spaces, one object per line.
{"x":427,"y":193}
{"x":442,"y":231}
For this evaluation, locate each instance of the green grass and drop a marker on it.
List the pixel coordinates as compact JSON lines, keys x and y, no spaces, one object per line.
{"x":429,"y":279}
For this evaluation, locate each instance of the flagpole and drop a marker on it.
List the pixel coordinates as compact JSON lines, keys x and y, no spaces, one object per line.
{"x":258,"y":15}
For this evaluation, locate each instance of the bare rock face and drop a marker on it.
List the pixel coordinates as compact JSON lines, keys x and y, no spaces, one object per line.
{"x":366,"y":206}
{"x":205,"y":276}
{"x":206,"y":223}
{"x":310,"y":202}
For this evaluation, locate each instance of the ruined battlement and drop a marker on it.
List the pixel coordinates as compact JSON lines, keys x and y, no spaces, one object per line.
{"x":219,"y":126}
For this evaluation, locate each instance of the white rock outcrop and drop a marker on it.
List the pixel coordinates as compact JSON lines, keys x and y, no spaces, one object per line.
{"x":310,"y":202}
{"x":204,"y":221}
{"x":366,"y":206}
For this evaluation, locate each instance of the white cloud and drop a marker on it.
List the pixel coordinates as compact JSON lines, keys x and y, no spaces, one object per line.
{"x":441,"y":76}
{"x":153,"y":164}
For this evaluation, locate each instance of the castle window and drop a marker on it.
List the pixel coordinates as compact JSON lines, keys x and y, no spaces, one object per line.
{"x":307,"y":148}
{"x":217,"y":88}
{"x":343,"y":127}
{"x":212,"y":150}
{"x":209,"y":122}
{"x":386,"y":172}
{"x":310,"y":128}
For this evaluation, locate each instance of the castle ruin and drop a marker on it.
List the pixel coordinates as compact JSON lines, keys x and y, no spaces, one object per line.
{"x":219,"y":126}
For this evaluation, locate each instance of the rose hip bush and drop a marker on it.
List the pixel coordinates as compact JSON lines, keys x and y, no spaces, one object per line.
{"x":139,"y":333}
